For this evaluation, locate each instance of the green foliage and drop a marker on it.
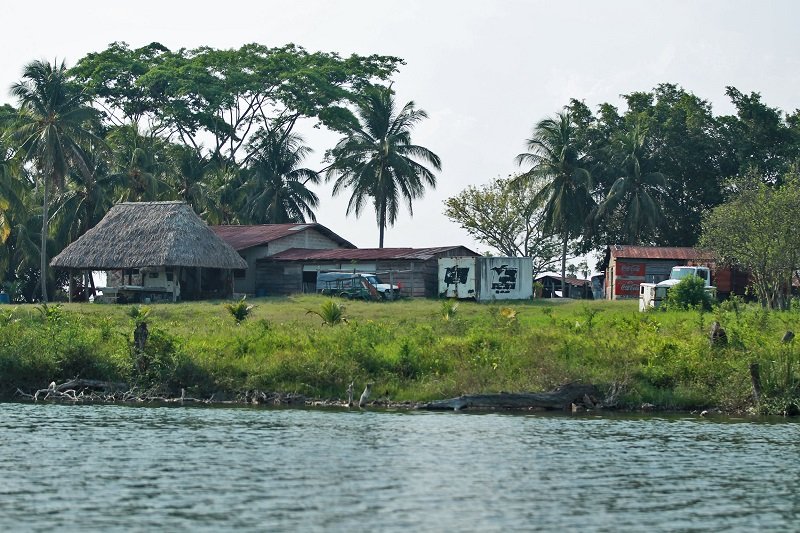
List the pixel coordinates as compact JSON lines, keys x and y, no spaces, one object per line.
{"x":7,"y":317}
{"x":558,"y":165}
{"x":502,"y":214}
{"x":449,"y":309}
{"x":239,"y":310}
{"x":139,"y":313}
{"x":689,"y":293}
{"x":661,"y":358}
{"x":756,"y":230}
{"x":377,"y":160}
{"x":538,"y":287}
{"x":156,"y":365}
{"x":331,"y":312}
{"x":50,"y":313}
{"x":239,"y":88}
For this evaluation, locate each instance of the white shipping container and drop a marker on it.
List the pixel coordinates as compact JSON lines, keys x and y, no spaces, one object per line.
{"x":457,"y":277}
{"x":486,"y":278}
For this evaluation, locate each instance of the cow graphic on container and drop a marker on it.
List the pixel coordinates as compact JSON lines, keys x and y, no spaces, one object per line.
{"x":506,"y":279}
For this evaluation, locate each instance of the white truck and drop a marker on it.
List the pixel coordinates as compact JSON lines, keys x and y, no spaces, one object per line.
{"x":652,"y":295}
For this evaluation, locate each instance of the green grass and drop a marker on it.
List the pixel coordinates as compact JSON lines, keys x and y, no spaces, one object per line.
{"x":411,"y":349}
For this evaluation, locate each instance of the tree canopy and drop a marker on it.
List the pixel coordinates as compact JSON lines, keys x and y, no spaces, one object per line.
{"x":756,"y":230}
{"x":503,"y":214}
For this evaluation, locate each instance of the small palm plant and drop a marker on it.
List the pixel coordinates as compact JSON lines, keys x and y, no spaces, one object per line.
{"x":50,"y":313}
{"x":139,"y":313}
{"x":240,"y":310}
{"x":449,"y":310}
{"x":331,"y":312}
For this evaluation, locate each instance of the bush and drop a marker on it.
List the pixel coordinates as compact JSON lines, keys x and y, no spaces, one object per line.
{"x":689,"y":293}
{"x":239,"y":310}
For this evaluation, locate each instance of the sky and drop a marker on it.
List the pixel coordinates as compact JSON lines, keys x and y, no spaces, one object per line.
{"x":485,"y":72}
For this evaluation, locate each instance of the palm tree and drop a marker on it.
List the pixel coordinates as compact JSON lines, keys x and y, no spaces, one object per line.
{"x":53,"y":124}
{"x":377,"y":160}
{"x":82,"y":202}
{"x":558,"y":164}
{"x":276,"y":190}
{"x":189,"y":171}
{"x":139,"y":164}
{"x":633,"y":192}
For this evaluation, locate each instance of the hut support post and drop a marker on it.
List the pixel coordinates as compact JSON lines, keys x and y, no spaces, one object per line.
{"x":71,"y":285}
{"x":91,"y":284}
{"x":177,"y":279}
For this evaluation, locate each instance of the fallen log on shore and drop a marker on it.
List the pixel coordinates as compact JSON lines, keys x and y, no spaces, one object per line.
{"x":565,"y":397}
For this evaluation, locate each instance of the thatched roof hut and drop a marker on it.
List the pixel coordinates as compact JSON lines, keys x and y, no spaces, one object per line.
{"x":149,"y":234}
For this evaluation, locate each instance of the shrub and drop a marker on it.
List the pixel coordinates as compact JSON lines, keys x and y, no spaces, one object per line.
{"x":331,"y":312}
{"x":449,"y":309}
{"x":239,"y":310}
{"x":689,"y":293}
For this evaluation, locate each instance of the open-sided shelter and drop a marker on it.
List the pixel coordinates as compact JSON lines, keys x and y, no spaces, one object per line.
{"x":160,"y":249}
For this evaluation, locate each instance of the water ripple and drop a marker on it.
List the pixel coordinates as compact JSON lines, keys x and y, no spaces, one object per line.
{"x":104,"y":468}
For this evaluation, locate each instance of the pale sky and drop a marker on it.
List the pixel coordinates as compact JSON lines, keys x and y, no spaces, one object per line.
{"x":485,"y":72}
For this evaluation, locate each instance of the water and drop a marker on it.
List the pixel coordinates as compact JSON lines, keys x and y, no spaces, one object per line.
{"x":106,"y":468}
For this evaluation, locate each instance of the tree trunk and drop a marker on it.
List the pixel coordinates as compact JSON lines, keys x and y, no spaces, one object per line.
{"x":382,"y":224}
{"x":564,"y":266}
{"x":560,"y":399}
{"x":43,"y":248}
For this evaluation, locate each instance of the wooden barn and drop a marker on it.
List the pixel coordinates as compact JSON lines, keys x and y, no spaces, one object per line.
{"x":414,"y":270}
{"x":256,"y":242}
{"x":154,"y":251}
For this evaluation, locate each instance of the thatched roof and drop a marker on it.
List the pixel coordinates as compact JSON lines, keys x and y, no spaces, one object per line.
{"x":149,"y":234}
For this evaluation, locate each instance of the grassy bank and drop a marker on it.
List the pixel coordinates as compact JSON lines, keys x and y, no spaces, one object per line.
{"x":415,"y":350}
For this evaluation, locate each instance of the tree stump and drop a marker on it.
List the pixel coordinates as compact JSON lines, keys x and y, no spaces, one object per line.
{"x":717,"y":336}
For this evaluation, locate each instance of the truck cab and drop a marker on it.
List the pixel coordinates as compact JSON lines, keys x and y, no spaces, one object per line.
{"x":652,"y":295}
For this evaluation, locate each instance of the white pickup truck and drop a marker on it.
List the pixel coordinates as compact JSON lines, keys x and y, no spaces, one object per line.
{"x":652,"y":295}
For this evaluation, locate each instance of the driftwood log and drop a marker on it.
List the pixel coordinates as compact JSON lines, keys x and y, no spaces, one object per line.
{"x":562,"y":398}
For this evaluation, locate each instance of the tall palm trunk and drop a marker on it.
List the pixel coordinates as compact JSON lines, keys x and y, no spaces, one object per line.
{"x":564,"y":266}
{"x":43,"y":249}
{"x":381,"y":200}
{"x":382,"y":223}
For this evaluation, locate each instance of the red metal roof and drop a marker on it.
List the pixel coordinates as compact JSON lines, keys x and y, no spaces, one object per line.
{"x":659,"y":252}
{"x":242,"y":237}
{"x":365,"y":254}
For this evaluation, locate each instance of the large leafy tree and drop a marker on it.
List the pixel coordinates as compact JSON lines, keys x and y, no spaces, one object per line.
{"x":683,"y":143}
{"x":636,"y":193}
{"x":225,"y":95}
{"x":276,"y":189}
{"x":759,"y":137}
{"x":504,"y":216}
{"x":377,"y":161}
{"x":558,"y":166}
{"x":756,"y":230}
{"x":53,"y":124}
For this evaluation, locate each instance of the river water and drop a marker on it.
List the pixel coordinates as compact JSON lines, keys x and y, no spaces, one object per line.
{"x":107,"y":468}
